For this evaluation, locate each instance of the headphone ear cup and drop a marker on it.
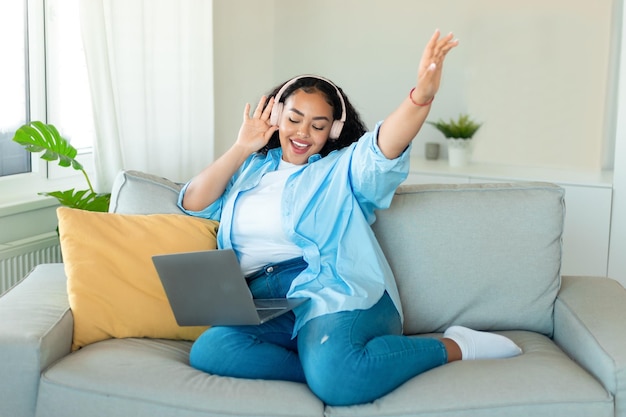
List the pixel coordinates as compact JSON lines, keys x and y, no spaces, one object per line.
{"x":335,"y":129}
{"x":277,"y":110}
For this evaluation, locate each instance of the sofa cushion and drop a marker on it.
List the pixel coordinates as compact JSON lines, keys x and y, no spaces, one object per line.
{"x":137,"y":192}
{"x":543,"y":382}
{"x":152,"y":378}
{"x":486,"y":256}
{"x":113,"y":288}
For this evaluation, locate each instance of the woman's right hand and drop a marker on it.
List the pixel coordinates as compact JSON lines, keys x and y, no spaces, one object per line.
{"x":256,"y":131}
{"x":254,"y":134}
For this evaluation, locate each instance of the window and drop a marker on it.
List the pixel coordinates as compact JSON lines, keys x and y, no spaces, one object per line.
{"x":69,"y":102}
{"x":47,"y":78}
{"x":14,"y":86}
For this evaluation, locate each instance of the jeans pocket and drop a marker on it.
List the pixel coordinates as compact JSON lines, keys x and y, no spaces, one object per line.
{"x":277,"y":279}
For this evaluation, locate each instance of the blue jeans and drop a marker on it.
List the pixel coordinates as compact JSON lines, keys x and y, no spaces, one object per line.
{"x":346,"y":358}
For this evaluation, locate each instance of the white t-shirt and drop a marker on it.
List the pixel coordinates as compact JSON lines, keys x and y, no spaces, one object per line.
{"x":257,"y":233}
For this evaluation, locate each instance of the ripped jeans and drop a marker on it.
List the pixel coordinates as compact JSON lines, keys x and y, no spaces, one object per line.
{"x":346,"y":358}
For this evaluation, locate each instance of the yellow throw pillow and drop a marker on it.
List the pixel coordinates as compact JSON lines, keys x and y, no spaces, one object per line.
{"x":114,"y":290}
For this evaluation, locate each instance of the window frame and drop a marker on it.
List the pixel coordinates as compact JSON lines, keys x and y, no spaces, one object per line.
{"x":20,"y":191}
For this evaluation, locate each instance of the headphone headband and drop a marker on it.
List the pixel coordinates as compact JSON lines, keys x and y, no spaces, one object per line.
{"x":277,"y":110}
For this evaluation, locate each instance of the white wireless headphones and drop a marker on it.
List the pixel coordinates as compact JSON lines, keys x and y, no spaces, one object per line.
{"x":277,"y":110}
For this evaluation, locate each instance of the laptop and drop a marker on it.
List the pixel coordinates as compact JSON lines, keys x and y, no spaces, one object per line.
{"x":208,"y":288}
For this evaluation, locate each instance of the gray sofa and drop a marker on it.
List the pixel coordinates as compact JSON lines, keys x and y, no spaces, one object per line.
{"x":485,"y":256}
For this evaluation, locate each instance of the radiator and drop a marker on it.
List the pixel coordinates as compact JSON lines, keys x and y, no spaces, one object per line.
{"x":19,"y":257}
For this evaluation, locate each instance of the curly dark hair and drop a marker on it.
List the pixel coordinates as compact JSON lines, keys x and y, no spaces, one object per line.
{"x":353,"y":127}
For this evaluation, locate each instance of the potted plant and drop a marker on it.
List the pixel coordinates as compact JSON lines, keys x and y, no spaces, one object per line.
{"x":458,"y":133}
{"x":40,"y":137}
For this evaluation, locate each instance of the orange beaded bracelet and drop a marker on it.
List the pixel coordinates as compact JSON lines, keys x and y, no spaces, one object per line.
{"x":419,"y":104}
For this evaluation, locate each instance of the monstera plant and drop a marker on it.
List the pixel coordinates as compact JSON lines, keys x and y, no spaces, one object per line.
{"x":38,"y":137}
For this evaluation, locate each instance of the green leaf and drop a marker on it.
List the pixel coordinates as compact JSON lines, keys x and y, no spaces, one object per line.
{"x":40,"y":137}
{"x":462,"y":128}
{"x":82,"y":199}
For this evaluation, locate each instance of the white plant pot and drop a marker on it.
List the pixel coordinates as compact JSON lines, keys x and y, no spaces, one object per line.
{"x":459,"y":151}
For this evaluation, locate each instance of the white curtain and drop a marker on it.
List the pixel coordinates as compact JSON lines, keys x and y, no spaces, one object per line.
{"x":150,"y":65}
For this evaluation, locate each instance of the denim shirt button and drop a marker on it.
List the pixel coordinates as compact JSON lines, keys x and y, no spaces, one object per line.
{"x":269,"y":269}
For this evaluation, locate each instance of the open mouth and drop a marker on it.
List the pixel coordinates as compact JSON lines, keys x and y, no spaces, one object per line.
{"x":300,"y":147}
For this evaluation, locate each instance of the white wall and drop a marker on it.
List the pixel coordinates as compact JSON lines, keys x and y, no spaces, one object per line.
{"x":541,"y":75}
{"x":244,"y":55}
{"x":535,"y":72}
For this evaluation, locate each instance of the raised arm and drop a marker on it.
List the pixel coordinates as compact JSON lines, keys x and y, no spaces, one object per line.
{"x":401,"y":126}
{"x":211,"y":182}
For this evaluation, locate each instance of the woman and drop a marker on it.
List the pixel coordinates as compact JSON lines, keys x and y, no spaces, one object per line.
{"x":295,"y":196}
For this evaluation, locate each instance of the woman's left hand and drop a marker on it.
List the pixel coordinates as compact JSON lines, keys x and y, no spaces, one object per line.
{"x":401,"y":126}
{"x":430,"y":67}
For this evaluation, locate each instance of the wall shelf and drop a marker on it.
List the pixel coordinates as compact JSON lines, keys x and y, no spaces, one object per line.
{"x":589,"y":178}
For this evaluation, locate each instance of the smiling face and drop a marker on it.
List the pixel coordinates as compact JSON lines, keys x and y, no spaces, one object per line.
{"x":304,"y":125}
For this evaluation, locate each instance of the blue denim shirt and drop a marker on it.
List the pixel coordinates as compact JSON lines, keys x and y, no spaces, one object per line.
{"x":327,"y":209}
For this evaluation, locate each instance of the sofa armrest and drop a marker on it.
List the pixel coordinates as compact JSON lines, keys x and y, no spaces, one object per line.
{"x":589,"y":325}
{"x":35,"y":330}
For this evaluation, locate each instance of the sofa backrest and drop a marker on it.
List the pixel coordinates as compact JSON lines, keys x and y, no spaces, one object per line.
{"x":487,"y":256}
{"x":136,"y":192}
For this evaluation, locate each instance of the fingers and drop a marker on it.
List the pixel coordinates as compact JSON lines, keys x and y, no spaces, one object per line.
{"x":448,"y":43}
{"x":255,"y":131}
{"x":259,"y":108}
{"x":270,"y":132}
{"x":435,"y":51}
{"x":263,"y":111}
{"x":432,"y":43}
{"x":431,"y":64}
{"x":443,"y":46}
{"x":268,"y":110}
{"x":246,"y":112}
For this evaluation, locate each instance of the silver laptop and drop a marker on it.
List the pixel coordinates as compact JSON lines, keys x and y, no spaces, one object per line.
{"x":208,"y":288}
